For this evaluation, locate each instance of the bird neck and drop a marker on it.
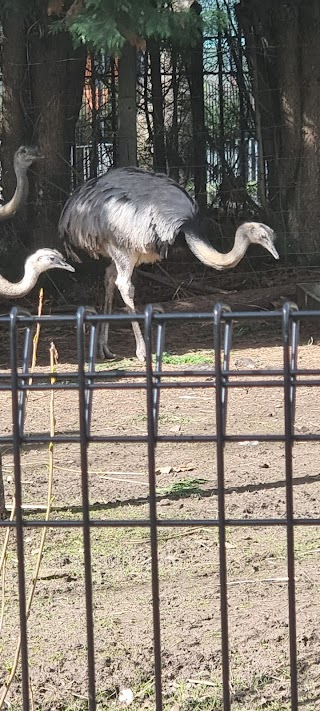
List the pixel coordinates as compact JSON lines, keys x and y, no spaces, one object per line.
{"x":217,"y":260}
{"x":19,"y":197}
{"x":20,"y":288}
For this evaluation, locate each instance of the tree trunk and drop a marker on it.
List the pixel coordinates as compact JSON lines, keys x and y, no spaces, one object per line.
{"x":16,"y":125}
{"x":127,"y":107}
{"x":57,"y":73}
{"x":146,"y":101}
{"x":159,"y":150}
{"x":222,"y":142}
{"x":197,"y":108}
{"x":303,"y":196}
{"x":114,"y":121}
{"x":173,"y":134}
{"x":287,"y":37}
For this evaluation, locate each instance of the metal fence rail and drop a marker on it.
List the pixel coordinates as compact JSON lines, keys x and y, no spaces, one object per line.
{"x":153,"y":379}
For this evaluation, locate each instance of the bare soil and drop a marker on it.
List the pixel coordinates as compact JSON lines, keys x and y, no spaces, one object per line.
{"x":188,"y":558}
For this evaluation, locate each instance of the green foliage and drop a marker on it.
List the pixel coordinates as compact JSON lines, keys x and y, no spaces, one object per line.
{"x":108,"y":25}
{"x":214,"y":20}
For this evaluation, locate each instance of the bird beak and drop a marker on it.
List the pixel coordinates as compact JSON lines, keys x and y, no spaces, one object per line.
{"x":271,"y":248}
{"x":64,"y":265}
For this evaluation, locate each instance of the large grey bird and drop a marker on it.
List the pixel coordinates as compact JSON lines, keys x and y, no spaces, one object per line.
{"x":132,"y":216}
{"x":41,"y":261}
{"x":23,"y":158}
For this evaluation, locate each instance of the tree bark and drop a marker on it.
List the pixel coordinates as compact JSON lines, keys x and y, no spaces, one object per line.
{"x":198,"y":122}
{"x":16,"y":125}
{"x":286,"y":35}
{"x":159,"y":150}
{"x":114,"y":119}
{"x":173,"y":133}
{"x":127,"y":107}
{"x":57,"y":74}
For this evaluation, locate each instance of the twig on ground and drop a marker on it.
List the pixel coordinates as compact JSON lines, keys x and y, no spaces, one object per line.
{"x":127,"y":481}
{"x":249,"y":581}
{"x":203,"y":682}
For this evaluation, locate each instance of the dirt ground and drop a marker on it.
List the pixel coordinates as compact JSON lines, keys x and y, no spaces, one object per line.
{"x":188,"y":558}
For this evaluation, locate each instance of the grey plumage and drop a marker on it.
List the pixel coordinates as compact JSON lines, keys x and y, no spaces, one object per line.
{"x":133,"y":216}
{"x":127,"y":206}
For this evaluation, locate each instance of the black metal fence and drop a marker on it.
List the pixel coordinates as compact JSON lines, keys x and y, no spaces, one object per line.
{"x":154,"y":379}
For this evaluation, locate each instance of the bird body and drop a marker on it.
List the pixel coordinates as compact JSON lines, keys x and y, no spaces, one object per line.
{"x":133,"y":216}
{"x":41,"y":261}
{"x":128,"y":208}
{"x":23,"y":158}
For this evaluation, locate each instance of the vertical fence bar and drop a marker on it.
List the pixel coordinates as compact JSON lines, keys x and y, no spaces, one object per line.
{"x":85,"y":504}
{"x":288,"y":412}
{"x":22,"y":395}
{"x":91,"y":368}
{"x":18,"y":499}
{"x":220,"y":429}
{"x":294,"y":363}
{"x":153,"y":509}
{"x":225,"y":366}
{"x":157,"y":373}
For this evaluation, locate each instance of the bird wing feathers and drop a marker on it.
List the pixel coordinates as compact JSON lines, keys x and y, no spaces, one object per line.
{"x":128,"y":207}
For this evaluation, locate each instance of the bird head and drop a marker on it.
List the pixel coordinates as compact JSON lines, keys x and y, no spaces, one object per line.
{"x":45,"y":259}
{"x":25,"y":156}
{"x":258,"y":233}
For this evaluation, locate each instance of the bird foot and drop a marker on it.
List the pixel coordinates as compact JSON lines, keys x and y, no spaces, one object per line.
{"x":105,"y":353}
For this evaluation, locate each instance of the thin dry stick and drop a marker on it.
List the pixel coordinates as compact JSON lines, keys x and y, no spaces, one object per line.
{"x":37,"y":333}
{"x":127,"y":481}
{"x":8,"y":682}
{"x":35,"y":341}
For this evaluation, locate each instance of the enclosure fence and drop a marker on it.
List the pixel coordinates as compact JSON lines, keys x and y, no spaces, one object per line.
{"x":153,"y":379}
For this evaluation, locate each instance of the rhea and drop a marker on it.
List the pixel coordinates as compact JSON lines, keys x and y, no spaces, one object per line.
{"x":133,"y":216}
{"x":40,"y":261}
{"x":22,"y":160}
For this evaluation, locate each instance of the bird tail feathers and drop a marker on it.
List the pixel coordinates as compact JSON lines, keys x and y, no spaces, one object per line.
{"x":70,"y":253}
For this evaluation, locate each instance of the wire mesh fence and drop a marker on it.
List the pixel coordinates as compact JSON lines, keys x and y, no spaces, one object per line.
{"x":153,"y":380}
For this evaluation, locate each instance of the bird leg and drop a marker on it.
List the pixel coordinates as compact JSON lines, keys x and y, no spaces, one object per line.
{"x":109,"y":284}
{"x":126,"y":289}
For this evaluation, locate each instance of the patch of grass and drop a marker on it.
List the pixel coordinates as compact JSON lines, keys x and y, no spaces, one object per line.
{"x":307,"y":544}
{"x":204,"y":696}
{"x":191,"y":358}
{"x":119,"y":364}
{"x":185,"y":487}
